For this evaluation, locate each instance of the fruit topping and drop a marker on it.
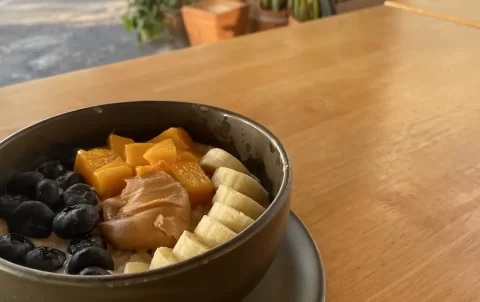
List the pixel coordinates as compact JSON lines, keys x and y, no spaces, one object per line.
{"x":213,"y":233}
{"x":45,"y":259}
{"x":142,"y":170}
{"x":164,"y":150}
{"x":163,"y":256}
{"x":51,"y":169}
{"x":14,"y":248}
{"x":76,"y":221}
{"x":32,"y":219}
{"x":154,"y":205}
{"x":109,"y":180}
{"x":238,"y":201}
{"x":94,"y":271}
{"x":24,"y":184}
{"x":89,"y":257}
{"x":141,"y":257}
{"x":135,"y":267}
{"x":179,"y":136}
{"x":166,"y":207}
{"x":80,"y":194}
{"x":188,"y":246}
{"x":194,"y":179}
{"x":8,"y":204}
{"x":48,"y":192}
{"x":68,"y":179}
{"x":87,"y":162}
{"x":78,"y":244}
{"x":241,"y":183}
{"x":231,"y":218}
{"x":186,"y":157}
{"x":117,"y":143}
{"x":217,"y":158}
{"x":134,"y":154}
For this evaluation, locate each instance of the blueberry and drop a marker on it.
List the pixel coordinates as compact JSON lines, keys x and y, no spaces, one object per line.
{"x":8,"y":204}
{"x":24,"y":184}
{"x":48,"y":192}
{"x":80,"y":194}
{"x":32,"y":219}
{"x":14,"y":248}
{"x":94,"y":271}
{"x":76,"y":221}
{"x":91,"y":256}
{"x":45,"y":259}
{"x":51,"y":169}
{"x":68,"y":179}
{"x":79,"y":244}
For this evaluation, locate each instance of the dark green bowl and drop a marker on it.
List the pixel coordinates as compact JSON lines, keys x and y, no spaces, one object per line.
{"x":226,"y":273}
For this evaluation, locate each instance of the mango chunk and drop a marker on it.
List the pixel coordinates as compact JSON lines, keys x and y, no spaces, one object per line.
{"x":142,"y":170}
{"x":87,"y":162}
{"x":134,"y":153}
{"x":187,"y":157}
{"x":110,"y":179}
{"x":117,"y":143}
{"x":197,"y":183}
{"x":163,"y":166}
{"x":165,"y":150}
{"x":180,"y":138}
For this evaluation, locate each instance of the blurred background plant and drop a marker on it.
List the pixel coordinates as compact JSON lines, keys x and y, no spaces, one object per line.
{"x":273,"y":5}
{"x":147,"y":17}
{"x":306,"y":10}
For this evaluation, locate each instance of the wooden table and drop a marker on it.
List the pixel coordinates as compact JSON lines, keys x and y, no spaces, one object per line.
{"x":380,"y":112}
{"x":461,"y":11}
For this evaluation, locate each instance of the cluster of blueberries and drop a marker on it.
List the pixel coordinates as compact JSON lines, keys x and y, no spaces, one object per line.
{"x":53,"y":199}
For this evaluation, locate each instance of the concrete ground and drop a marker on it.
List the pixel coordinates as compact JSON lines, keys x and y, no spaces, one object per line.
{"x":40,"y":38}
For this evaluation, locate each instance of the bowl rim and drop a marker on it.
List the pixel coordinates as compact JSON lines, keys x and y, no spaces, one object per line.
{"x":129,"y":279}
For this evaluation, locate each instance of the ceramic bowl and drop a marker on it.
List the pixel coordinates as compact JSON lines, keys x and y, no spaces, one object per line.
{"x":226,"y":273}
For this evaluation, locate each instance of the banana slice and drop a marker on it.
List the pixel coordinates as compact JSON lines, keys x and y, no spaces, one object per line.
{"x":231,"y":218}
{"x":241,"y":183}
{"x":238,"y":201}
{"x":163,"y":256}
{"x":216,"y":158}
{"x":188,"y":246}
{"x":135,"y":267}
{"x":141,"y":257}
{"x":212,"y":232}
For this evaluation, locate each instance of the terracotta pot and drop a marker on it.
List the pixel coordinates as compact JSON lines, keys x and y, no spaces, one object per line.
{"x":292,"y":20}
{"x":176,"y":27}
{"x":265,"y":19}
{"x":213,"y":20}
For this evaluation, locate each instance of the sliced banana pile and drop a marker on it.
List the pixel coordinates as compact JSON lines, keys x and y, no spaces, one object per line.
{"x":238,"y":201}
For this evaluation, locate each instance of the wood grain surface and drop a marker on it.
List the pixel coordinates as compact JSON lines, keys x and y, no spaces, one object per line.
{"x":380,"y":113}
{"x":461,"y":11}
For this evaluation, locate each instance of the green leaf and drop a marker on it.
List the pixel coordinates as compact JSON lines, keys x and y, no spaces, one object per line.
{"x":127,"y":22}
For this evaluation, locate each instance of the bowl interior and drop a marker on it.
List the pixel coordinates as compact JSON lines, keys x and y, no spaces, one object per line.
{"x":58,"y":137}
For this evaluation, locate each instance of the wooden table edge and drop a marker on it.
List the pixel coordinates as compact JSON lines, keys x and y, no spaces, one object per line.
{"x":419,"y":11}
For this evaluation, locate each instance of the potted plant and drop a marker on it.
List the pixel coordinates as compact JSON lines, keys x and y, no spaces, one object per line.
{"x":304,"y":10}
{"x":268,"y":14}
{"x":149,"y":18}
{"x":174,"y":21}
{"x":145,"y":17}
{"x":213,"y":20}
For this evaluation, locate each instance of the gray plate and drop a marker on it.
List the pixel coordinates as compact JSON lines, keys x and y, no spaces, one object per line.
{"x":296,"y":274}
